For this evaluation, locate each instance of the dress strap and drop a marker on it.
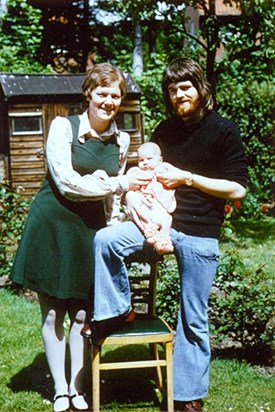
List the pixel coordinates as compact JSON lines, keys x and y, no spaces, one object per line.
{"x":75,"y":122}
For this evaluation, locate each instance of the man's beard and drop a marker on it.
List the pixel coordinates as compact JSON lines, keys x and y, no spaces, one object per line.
{"x":188,"y":110}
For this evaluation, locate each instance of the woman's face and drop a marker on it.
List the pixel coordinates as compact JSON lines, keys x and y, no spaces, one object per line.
{"x":105,"y":101}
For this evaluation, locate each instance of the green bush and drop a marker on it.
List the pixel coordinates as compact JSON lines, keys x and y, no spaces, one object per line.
{"x":20,"y":36}
{"x":241,"y":305}
{"x":152,"y":104}
{"x":168,"y":290}
{"x":14,"y":209}
{"x":249,"y":104}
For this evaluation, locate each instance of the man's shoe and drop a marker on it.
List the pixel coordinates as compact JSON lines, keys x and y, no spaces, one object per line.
{"x":190,"y":406}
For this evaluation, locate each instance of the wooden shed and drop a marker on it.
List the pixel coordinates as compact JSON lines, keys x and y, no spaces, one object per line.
{"x":29,"y":102}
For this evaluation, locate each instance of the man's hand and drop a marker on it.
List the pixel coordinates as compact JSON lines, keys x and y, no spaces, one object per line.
{"x":173,"y":177}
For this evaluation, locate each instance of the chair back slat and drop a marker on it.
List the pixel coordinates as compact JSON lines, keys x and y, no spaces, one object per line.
{"x":143,"y":282}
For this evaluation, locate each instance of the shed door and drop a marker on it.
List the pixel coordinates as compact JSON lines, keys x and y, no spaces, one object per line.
{"x":27,"y":148}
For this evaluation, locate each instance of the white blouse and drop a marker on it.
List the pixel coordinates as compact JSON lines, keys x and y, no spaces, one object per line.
{"x":95,"y":186}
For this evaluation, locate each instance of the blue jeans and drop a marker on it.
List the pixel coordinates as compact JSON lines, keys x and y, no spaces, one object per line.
{"x":197,"y":260}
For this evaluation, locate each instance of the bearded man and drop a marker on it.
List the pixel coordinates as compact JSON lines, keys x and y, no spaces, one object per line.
{"x":209,"y":167}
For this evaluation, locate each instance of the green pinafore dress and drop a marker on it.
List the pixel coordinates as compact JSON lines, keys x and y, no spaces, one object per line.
{"x":55,"y":254}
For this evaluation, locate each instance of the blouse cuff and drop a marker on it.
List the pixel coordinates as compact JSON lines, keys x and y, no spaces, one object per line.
{"x":123,"y":183}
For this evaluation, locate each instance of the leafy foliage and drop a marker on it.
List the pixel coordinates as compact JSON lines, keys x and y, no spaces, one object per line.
{"x":250,"y":104}
{"x":152,"y":106}
{"x":20,"y":37}
{"x":242,"y":304}
{"x":168,"y":291}
{"x":14,"y":209}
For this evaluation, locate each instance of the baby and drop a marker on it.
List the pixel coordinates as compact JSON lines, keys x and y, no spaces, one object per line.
{"x":155,"y":201}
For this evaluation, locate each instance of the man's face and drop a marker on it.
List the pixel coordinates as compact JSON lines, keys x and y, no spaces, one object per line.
{"x":185,"y":99}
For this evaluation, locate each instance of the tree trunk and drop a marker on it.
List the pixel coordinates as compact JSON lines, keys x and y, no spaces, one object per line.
{"x":137,"y":54}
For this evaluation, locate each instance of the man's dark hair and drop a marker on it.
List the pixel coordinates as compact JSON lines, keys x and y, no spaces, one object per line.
{"x":181,"y":69}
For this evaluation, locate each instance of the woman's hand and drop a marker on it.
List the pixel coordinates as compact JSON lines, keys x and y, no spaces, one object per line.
{"x":139,"y":179}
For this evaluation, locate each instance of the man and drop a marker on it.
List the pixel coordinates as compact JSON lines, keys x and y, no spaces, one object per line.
{"x":209,"y":167}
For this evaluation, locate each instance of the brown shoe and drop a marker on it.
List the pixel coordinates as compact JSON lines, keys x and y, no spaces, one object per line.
{"x":86,"y":331}
{"x":128,"y":320}
{"x":100,"y":329}
{"x":190,"y":406}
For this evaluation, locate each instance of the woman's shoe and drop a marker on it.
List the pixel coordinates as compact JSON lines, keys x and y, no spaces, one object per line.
{"x":61,"y":403}
{"x":86,"y":331}
{"x":79,"y":402}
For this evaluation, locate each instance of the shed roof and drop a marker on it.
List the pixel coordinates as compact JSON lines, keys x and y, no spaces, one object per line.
{"x":14,"y":85}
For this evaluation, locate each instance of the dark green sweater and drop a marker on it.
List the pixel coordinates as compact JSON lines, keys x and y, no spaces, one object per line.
{"x":211,"y":148}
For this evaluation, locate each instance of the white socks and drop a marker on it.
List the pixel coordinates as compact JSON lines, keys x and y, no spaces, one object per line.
{"x":53,"y":312}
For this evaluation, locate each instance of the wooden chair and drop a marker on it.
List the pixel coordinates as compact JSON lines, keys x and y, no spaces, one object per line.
{"x":148,"y":329}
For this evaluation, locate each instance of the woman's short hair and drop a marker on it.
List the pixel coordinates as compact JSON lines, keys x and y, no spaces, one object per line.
{"x":182,"y":69}
{"x":103,"y":74}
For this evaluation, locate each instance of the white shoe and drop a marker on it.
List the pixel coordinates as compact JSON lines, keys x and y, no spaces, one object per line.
{"x":61,"y":403}
{"x":79,"y":402}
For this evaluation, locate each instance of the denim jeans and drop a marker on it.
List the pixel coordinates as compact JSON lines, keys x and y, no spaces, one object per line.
{"x":197,"y":260}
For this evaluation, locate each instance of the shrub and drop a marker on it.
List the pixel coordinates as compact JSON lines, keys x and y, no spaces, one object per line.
{"x":168,"y":291}
{"x":14,"y":209}
{"x":241,"y":306}
{"x":152,"y":104}
{"x":249,"y":104}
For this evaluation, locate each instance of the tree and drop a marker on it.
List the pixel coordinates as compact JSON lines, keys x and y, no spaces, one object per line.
{"x":20,"y":37}
{"x":67,"y":39}
{"x":247,"y":36}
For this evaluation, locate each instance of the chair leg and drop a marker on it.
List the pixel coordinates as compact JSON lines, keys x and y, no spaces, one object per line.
{"x":169,"y":376}
{"x":95,"y":352}
{"x":155,"y":355}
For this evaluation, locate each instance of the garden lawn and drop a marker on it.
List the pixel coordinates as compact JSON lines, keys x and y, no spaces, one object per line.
{"x":25,"y":383}
{"x":255,"y":243}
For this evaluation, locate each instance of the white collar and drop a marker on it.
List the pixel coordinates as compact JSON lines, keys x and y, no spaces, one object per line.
{"x":86,"y":130}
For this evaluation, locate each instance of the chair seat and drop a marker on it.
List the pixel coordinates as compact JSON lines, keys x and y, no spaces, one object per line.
{"x":143,"y":330}
{"x":144,"y":327}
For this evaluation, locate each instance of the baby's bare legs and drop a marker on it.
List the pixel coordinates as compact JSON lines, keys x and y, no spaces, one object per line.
{"x":157,"y":232}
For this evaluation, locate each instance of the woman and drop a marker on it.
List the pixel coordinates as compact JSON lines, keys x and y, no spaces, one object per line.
{"x":86,"y":157}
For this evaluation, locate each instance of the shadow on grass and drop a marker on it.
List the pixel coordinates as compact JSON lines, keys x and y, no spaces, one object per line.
{"x":35,"y":378}
{"x":258,"y":356}
{"x":259,"y":231}
{"x":121,"y":386}
{"x":132,"y":385}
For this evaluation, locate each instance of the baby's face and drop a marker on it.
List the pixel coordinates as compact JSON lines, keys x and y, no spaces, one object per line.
{"x":148,"y":161}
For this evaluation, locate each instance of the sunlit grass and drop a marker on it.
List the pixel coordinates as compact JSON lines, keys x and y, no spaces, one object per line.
{"x":255,"y":244}
{"x":25,"y":384}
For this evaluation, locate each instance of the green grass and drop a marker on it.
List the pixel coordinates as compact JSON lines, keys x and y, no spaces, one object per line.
{"x":255,"y":243}
{"x":25,"y":384}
